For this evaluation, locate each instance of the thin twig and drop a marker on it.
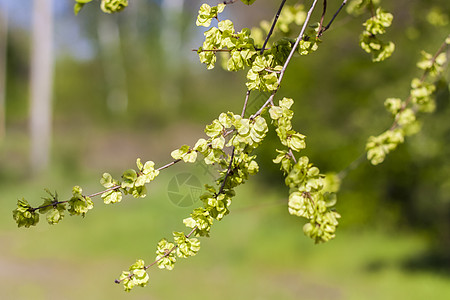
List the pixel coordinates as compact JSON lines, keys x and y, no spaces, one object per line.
{"x":422,"y":79}
{"x":353,"y":165}
{"x":230,"y":165}
{"x":372,"y":8}
{"x":272,"y":71}
{"x":291,"y":54}
{"x":269,"y":101}
{"x":107,"y":190}
{"x":323,"y":16}
{"x":342,"y":174}
{"x":157,"y":260}
{"x":55,"y":203}
{"x":247,"y":95}
{"x":273,"y":26}
{"x":215,"y":50}
{"x":168,"y":165}
{"x":299,"y":38}
{"x":291,"y":154}
{"x":332,"y":19}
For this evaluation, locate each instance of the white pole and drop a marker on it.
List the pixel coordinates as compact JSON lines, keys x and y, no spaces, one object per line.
{"x":41,"y":85}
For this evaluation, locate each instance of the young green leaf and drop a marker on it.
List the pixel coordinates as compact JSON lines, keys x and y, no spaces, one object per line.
{"x":248,"y":2}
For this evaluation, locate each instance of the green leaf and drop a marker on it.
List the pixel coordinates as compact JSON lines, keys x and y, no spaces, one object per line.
{"x":377,"y":24}
{"x":270,"y":82}
{"x":139,"y":164}
{"x":296,"y":142}
{"x":275,"y":112}
{"x":126,"y":281}
{"x":379,"y":146}
{"x":286,"y":102}
{"x":46,"y":206}
{"x":201,"y":145}
{"x":201,"y":219}
{"x":165,"y":255}
{"x":259,"y":64}
{"x":79,"y":5}
{"x":300,"y":205}
{"x":24,"y":215}
{"x":185,"y":153}
{"x":139,"y":264}
{"x":129,"y":178}
{"x":138,"y":191}
{"x":206,"y":13}
{"x":260,"y":124}
{"x":107,"y":181}
{"x":113,"y":196}
{"x":136,"y":276}
{"x":332,"y":183}
{"x":190,"y":157}
{"x":248,"y":2}
{"x":253,"y":167}
{"x":55,"y":215}
{"x":393,"y":105}
{"x":186,"y":247}
{"x":79,"y":204}
{"x":179,"y":153}
{"x":214,"y":129}
{"x":226,"y":26}
{"x":218,"y":143}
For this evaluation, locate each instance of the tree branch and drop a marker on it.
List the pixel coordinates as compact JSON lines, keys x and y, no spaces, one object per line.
{"x":294,"y":48}
{"x":273,"y":27}
{"x":354,"y":164}
{"x":245,"y":103}
{"x":118,"y":281}
{"x":422,"y":79}
{"x":229,"y":2}
{"x":32,"y":209}
{"x":323,"y":16}
{"x":332,"y":19}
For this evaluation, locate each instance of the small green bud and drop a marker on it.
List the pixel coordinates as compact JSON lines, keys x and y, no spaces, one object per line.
{"x":24,"y":214}
{"x":113,"y":6}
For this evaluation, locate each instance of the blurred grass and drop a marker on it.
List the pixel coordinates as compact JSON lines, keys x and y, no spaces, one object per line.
{"x":257,"y":252}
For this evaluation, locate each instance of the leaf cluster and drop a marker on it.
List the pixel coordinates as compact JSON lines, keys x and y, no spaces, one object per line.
{"x":107,"y":6}
{"x":308,"y":198}
{"x":53,"y":208}
{"x":369,"y":39}
{"x":420,"y":100}
{"x":239,"y":50}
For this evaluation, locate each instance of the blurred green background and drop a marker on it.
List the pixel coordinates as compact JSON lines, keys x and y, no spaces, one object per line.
{"x":128,"y":86}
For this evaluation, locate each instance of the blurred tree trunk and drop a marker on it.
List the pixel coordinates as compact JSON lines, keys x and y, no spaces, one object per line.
{"x":113,"y":64}
{"x":171,"y":42}
{"x":3,"y":47}
{"x":41,"y":81}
